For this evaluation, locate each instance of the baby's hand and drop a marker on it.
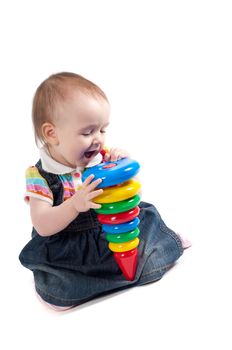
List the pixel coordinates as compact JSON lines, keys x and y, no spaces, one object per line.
{"x":82,"y":199}
{"x":115,"y":154}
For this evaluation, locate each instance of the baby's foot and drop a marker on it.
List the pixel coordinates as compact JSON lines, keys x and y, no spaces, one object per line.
{"x":185,"y":242}
{"x":54,"y":307}
{"x":59,"y":308}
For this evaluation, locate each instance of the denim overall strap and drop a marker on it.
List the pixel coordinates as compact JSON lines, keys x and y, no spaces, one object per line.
{"x":54,"y":183}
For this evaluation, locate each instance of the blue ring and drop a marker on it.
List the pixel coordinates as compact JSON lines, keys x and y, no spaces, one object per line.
{"x":124,"y":170}
{"x":121,"y":228}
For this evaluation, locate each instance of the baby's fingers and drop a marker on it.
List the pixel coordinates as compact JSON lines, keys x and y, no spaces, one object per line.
{"x":94,"y":205}
{"x":94,"y":184}
{"x":88,"y":180}
{"x":88,"y":183}
{"x":95,"y":194}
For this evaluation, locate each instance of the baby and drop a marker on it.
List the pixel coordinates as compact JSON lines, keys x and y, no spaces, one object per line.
{"x":68,"y":253}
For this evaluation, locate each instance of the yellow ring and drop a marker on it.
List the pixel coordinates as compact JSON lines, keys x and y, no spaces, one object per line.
{"x":119,"y":192}
{"x":124,"y":247}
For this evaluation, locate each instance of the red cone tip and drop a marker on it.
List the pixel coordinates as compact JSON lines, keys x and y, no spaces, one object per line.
{"x":127,"y":261}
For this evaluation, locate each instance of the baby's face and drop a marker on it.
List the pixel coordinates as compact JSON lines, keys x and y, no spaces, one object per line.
{"x":80,"y":127}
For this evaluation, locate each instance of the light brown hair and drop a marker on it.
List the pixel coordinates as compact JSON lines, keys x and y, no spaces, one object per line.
{"x":52,"y":91}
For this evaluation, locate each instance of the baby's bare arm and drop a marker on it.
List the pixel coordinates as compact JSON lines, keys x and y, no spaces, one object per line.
{"x":49,"y":220}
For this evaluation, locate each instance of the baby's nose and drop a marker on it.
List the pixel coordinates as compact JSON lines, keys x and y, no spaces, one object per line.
{"x":98,"y":138}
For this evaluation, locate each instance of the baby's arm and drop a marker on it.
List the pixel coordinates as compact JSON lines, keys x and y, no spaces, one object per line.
{"x":48,"y":219}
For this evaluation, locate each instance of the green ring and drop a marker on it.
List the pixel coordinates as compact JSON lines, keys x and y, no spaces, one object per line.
{"x":123,"y":237}
{"x":119,"y":207}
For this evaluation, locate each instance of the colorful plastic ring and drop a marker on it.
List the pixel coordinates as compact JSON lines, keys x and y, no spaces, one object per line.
{"x":119,"y":207}
{"x":123,"y":237}
{"x":124,"y":247}
{"x":121,"y":228}
{"x":119,"y":218}
{"x":118,"y":193}
{"x":113,"y":173}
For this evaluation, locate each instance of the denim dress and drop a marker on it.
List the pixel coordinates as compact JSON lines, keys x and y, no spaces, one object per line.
{"x":76,"y":265}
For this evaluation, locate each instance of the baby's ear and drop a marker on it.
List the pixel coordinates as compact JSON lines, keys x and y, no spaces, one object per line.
{"x":49,"y":134}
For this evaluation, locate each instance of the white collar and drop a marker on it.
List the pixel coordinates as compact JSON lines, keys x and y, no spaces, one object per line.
{"x":52,"y":166}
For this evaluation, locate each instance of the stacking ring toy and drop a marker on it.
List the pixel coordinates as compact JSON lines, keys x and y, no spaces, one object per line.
{"x":119,"y":210}
{"x":119,"y":207}
{"x":119,"y":193}
{"x":113,"y":173}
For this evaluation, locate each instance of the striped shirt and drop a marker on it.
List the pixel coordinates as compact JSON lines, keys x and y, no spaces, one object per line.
{"x":37,"y":186}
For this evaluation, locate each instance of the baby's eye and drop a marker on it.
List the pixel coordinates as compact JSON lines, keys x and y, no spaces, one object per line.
{"x":103,"y":131}
{"x":87,"y":133}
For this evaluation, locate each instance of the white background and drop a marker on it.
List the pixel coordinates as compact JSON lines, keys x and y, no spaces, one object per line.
{"x":166,"y":68}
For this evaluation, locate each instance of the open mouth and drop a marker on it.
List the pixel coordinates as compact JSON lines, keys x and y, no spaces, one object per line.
{"x":90,"y":154}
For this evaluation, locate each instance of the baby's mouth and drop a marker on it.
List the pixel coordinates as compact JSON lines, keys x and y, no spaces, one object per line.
{"x":90,"y":154}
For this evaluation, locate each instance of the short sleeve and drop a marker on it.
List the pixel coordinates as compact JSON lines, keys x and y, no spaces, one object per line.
{"x":37,"y":186}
